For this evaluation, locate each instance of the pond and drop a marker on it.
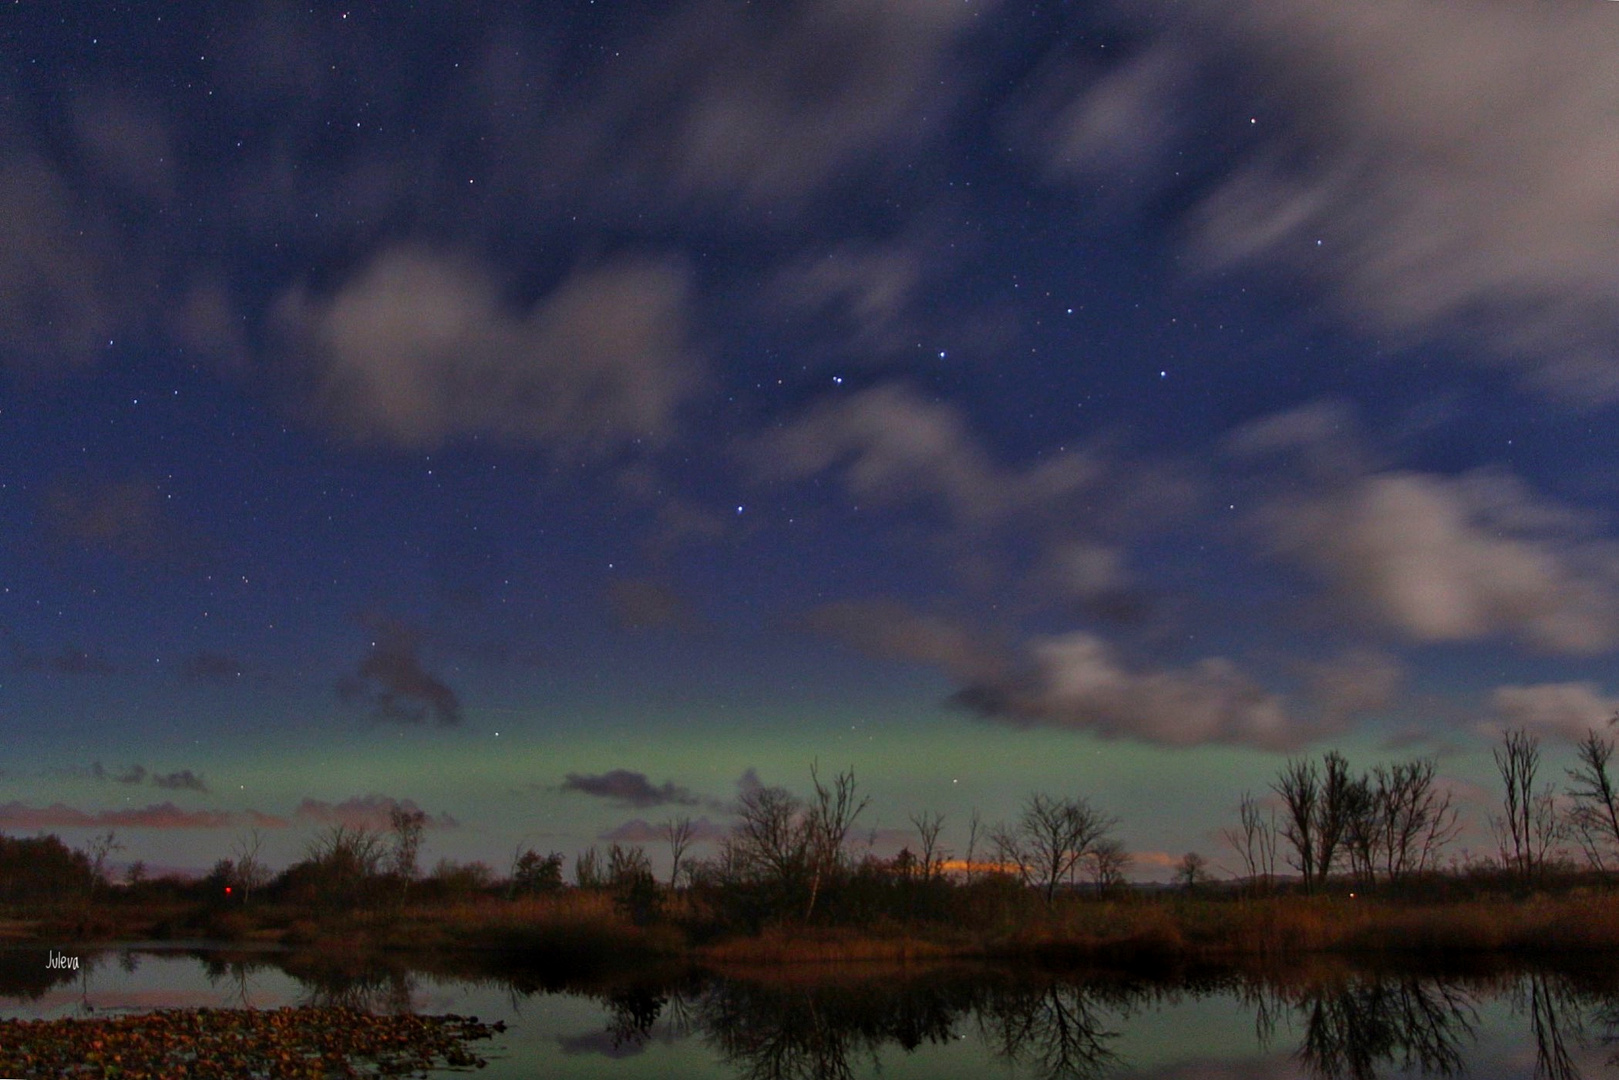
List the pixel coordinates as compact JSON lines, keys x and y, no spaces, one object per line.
{"x":1324,"y":1019}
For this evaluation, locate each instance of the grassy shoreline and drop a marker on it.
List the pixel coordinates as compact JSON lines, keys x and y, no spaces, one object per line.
{"x":583,"y":929}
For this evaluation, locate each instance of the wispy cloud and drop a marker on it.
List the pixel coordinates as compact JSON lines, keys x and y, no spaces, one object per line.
{"x":644,"y":604}
{"x":69,"y":660}
{"x":137,"y":774}
{"x":392,"y":682}
{"x":1438,"y":170}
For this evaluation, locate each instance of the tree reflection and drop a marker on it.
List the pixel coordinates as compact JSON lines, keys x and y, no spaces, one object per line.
{"x":631,"y":1012}
{"x":1605,"y":1017}
{"x":1554,"y":1017}
{"x":1057,"y":1031}
{"x":1357,"y":1027}
{"x":774,"y":1032}
{"x":1045,"y":1027}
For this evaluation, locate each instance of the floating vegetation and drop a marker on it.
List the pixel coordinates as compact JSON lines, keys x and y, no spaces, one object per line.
{"x":281,"y":1044}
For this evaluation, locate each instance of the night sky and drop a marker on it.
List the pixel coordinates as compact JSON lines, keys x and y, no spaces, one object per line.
{"x":557,"y":417}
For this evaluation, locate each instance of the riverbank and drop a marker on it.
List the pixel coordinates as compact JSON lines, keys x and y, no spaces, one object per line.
{"x":584,"y":929}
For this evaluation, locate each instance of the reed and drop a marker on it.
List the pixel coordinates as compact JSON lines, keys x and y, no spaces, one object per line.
{"x":781,"y":945}
{"x":584,"y":927}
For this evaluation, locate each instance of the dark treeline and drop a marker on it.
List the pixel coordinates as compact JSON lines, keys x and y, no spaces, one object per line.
{"x":791,"y":862}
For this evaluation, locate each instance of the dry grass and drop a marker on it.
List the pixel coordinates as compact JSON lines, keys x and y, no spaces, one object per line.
{"x":583,"y":929}
{"x":1291,"y":926}
{"x":780,"y":945}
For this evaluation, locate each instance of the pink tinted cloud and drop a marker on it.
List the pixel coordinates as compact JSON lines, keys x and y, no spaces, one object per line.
{"x":17,"y":815}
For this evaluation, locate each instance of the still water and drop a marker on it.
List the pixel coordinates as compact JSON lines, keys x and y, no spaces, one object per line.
{"x":1321,"y":1020}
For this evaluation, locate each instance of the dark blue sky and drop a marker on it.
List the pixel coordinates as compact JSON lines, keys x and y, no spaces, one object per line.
{"x":435,"y":402}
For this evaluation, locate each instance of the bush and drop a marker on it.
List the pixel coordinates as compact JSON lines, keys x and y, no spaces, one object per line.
{"x":42,"y":869}
{"x":340,"y":872}
{"x":533,"y":875}
{"x":451,"y":880}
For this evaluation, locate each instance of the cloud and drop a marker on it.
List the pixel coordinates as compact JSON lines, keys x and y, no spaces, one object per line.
{"x":1352,"y":684}
{"x":179,"y":780}
{"x":17,"y":815}
{"x":1568,"y":709}
{"x":628,"y":788}
{"x":205,"y":666}
{"x":127,"y":143}
{"x":135,"y":774}
{"x":894,"y":446}
{"x":1441,"y":169}
{"x":70,"y":660}
{"x":392,"y":683}
{"x":1079,"y":121}
{"x":365,"y":812}
{"x":1077,"y":681}
{"x":889,"y":630}
{"x":1090,"y":572}
{"x":858,"y":293}
{"x":123,"y":517}
{"x":1454,"y":558}
{"x":1323,"y":437}
{"x":59,"y":300}
{"x":643,"y":604}
{"x":421,"y":346}
{"x":760,"y":109}
{"x":1073,"y":680}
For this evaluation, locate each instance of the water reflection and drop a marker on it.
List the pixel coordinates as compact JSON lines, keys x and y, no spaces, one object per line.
{"x":1337,"y":1024}
{"x":1555,"y":1017}
{"x":1359,"y":1027}
{"x":1059,"y":1030}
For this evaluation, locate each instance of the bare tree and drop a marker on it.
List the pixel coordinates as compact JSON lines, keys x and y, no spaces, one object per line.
{"x":1594,"y":817}
{"x":1417,"y":818}
{"x":1011,"y":853}
{"x":1254,"y":840}
{"x":927,"y":826}
{"x":1320,"y":804}
{"x":1192,"y":871}
{"x":975,"y":826}
{"x":1528,"y":829}
{"x":768,"y":841}
{"x":678,"y":833}
{"x":1299,"y":785}
{"x":250,"y":871}
{"x":827,"y":828}
{"x":344,"y":862}
{"x":587,"y":869}
{"x":1107,"y":861}
{"x":1054,"y":834}
{"x":1338,"y":800}
{"x":97,"y":852}
{"x":1363,"y":829}
{"x":406,"y":826}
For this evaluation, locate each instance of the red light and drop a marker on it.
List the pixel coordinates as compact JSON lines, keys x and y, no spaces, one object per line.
{"x":227,"y":890}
